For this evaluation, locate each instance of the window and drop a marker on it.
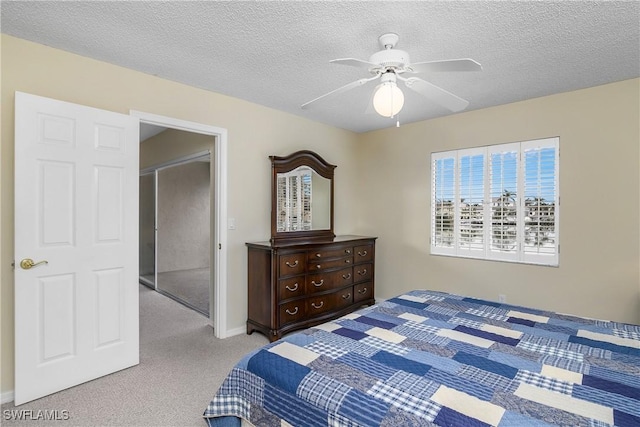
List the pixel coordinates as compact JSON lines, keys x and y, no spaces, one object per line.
{"x":499,"y":202}
{"x":294,"y":200}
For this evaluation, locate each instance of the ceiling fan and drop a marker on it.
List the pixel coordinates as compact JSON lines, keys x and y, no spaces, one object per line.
{"x":389,"y":65}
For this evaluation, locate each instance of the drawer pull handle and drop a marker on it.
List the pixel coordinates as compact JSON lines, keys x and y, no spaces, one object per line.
{"x":313,"y":304}
{"x":295,"y":288}
{"x":346,"y":276}
{"x":318,"y":266}
{"x":318,"y":255}
{"x":291,"y":313}
{"x":348,"y":261}
{"x":347,"y":296}
{"x":364,"y":253}
{"x":362,"y":291}
{"x":292,"y":265}
{"x":317,"y":285}
{"x":347,"y":251}
{"x":362,"y":272}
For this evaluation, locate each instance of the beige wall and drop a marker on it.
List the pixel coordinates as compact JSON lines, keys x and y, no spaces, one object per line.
{"x":382,"y":188}
{"x":254,"y":133}
{"x":599,"y":272}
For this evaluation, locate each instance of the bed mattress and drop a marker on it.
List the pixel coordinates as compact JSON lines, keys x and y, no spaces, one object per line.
{"x":430,"y":358}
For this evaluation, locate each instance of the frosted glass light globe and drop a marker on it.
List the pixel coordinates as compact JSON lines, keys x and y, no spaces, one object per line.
{"x":388,"y":99}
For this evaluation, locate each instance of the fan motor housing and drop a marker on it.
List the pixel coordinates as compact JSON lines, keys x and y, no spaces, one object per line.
{"x":390,"y":58}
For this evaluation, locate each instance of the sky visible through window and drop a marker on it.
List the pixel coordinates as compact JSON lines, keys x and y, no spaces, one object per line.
{"x":539,"y":176}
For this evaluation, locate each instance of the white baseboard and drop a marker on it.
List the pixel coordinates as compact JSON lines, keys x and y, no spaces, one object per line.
{"x":6,"y":397}
{"x":236,"y":331}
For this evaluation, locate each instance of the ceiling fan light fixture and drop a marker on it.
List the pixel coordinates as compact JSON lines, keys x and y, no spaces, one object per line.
{"x":388,"y":65}
{"x":388,"y":99}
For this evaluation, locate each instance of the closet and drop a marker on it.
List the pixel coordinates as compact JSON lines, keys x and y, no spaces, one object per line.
{"x":175,"y":223}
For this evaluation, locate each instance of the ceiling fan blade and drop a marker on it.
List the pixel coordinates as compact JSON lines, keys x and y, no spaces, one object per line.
{"x":465,"y":64}
{"x":340,"y":90}
{"x":370,"y":109}
{"x":436,"y":94}
{"x":353,"y":62}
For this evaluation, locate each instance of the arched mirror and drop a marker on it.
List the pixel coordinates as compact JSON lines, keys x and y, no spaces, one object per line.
{"x":301,"y":198}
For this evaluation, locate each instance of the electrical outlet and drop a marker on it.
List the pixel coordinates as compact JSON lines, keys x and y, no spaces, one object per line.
{"x":502,"y":298}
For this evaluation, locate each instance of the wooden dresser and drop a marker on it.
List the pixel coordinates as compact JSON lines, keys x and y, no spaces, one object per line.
{"x":301,"y":285}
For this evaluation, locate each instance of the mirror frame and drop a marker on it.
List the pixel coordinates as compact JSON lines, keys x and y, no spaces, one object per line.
{"x":287,"y":164}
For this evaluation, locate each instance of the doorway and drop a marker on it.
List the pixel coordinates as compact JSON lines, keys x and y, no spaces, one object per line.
{"x":175,"y":219}
{"x":217,"y":148}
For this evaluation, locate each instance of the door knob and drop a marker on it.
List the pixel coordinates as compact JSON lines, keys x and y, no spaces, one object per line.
{"x":27,"y":263}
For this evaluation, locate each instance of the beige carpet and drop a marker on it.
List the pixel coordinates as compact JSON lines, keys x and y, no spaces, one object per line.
{"x":181,"y":366}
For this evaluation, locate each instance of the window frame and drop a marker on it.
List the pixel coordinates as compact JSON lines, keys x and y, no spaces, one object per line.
{"x":522,"y":252}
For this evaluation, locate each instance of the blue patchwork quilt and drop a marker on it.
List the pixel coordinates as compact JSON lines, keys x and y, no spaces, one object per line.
{"x":434,"y":359}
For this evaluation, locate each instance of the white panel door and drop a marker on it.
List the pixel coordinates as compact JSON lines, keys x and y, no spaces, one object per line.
{"x":76,"y":219}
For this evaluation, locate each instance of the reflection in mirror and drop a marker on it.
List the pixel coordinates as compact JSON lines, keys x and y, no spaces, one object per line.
{"x":303,"y":201}
{"x":301,"y":198}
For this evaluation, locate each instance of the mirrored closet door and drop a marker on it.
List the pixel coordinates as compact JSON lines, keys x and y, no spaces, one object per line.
{"x":175,"y":233}
{"x":147,"y":229}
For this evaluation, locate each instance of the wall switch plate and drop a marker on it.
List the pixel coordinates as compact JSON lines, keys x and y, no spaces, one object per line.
{"x":502,"y":298}
{"x":232,"y":223}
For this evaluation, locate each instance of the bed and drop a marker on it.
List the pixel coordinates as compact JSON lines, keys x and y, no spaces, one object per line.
{"x":429,"y":358}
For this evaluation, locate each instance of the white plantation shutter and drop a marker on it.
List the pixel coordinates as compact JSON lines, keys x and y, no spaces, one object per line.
{"x":282,"y":201}
{"x":470,"y":213}
{"x":503,"y":183}
{"x":293,"y":200}
{"x":499,"y":202}
{"x":305,"y":195}
{"x":541,"y":201}
{"x":443,"y":181}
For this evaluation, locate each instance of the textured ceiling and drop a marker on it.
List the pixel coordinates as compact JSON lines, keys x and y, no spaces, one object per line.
{"x":277,"y":53}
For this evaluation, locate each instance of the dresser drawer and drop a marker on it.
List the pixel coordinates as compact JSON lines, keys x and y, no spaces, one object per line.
{"x":290,"y":288}
{"x":363,"y":253}
{"x":344,"y":298}
{"x":362,"y":291}
{"x":315,"y":265}
{"x":362,"y":272}
{"x":331,"y":302}
{"x":292,"y":311}
{"x":324,"y":253}
{"x":320,"y":282}
{"x":320,"y":304}
{"x":291,"y":263}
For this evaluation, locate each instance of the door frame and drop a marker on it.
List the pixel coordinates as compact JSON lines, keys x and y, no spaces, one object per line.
{"x":218,"y":288}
